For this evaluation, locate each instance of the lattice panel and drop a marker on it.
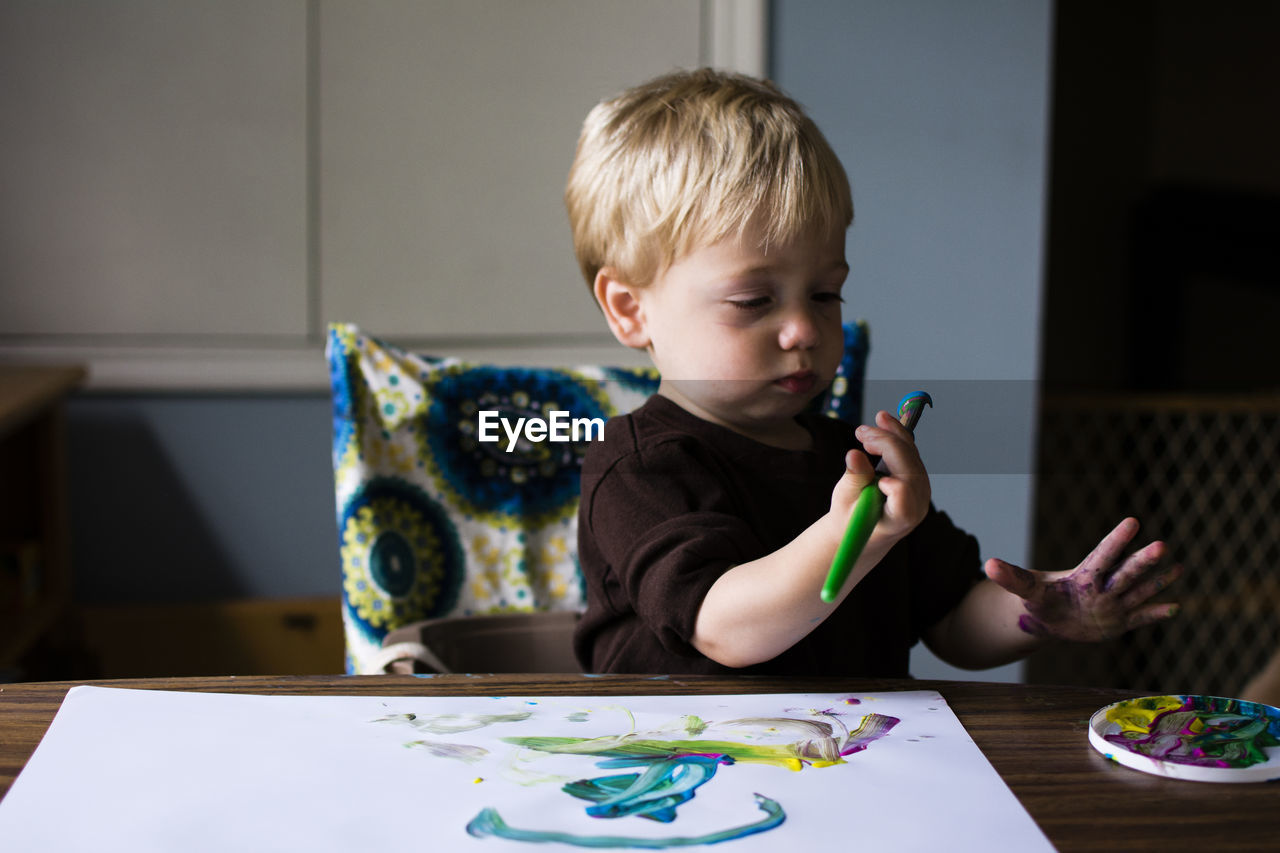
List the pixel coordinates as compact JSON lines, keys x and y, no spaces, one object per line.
{"x":1203,"y":474}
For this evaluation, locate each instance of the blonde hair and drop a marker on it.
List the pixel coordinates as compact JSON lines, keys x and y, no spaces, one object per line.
{"x":688,"y":159}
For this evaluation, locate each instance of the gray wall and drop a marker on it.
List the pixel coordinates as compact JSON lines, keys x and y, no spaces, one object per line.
{"x":939,"y":111}
{"x":190,"y":498}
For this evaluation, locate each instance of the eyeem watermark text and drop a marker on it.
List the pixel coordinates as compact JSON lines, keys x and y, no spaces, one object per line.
{"x":558,"y":426}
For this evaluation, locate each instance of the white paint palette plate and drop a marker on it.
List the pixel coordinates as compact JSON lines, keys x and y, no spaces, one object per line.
{"x":1191,"y":736}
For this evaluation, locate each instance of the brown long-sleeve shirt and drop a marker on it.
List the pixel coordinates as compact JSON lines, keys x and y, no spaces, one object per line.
{"x":670,"y":502}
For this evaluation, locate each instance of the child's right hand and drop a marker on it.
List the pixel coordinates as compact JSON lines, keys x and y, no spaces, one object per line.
{"x":906,"y":486}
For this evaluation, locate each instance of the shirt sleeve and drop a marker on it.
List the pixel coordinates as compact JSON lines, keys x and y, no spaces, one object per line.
{"x":667,"y":528}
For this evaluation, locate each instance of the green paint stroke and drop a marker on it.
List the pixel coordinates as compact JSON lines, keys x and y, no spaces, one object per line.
{"x":819,"y":748}
{"x":694,"y":725}
{"x":489,"y":822}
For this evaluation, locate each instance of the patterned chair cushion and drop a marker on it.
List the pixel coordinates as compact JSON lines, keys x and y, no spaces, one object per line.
{"x":433,"y":521}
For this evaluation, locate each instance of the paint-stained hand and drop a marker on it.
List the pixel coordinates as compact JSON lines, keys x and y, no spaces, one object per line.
{"x":1101,"y":598}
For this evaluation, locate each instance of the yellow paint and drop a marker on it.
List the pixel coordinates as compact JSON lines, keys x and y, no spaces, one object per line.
{"x":1138,"y":714}
{"x":784,"y":756}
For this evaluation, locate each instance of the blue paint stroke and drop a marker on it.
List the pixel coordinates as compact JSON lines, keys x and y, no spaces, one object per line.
{"x":655,"y":793}
{"x":489,"y":822}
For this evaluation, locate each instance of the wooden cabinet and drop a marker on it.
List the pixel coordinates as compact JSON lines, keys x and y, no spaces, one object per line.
{"x":35,"y":569}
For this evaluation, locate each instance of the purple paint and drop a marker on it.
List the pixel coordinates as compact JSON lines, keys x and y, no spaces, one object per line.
{"x":1033,"y":626}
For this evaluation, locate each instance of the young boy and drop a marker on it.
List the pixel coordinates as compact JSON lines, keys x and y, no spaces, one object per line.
{"x":709,"y":218}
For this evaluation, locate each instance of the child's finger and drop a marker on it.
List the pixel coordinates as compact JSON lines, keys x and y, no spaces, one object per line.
{"x":858,"y":469}
{"x":883,"y":426}
{"x":1134,"y":567}
{"x":889,"y":423}
{"x":897,"y":489}
{"x":894,"y":490}
{"x":1011,"y":578}
{"x":1151,"y":588}
{"x":870,"y":436}
{"x":858,"y":474}
{"x":899,"y":454}
{"x":1109,"y":550}
{"x":1151,"y":613}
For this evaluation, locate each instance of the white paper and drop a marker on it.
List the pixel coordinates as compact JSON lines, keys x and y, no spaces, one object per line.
{"x":141,"y":770}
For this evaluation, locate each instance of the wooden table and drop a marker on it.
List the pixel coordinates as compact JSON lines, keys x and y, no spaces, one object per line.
{"x":1034,"y":736}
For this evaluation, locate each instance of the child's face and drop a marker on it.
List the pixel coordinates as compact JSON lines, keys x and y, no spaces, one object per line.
{"x":745,"y":337}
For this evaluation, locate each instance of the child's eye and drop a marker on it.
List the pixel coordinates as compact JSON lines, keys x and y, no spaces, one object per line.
{"x":750,"y":304}
{"x":828,"y":297}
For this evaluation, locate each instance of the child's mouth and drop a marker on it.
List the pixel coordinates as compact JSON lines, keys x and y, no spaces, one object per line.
{"x":799,"y":382}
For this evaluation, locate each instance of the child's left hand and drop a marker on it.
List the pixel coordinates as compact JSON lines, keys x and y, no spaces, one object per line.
{"x":1096,"y":600}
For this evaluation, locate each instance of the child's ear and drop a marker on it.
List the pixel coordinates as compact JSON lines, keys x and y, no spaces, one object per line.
{"x":620,"y":303}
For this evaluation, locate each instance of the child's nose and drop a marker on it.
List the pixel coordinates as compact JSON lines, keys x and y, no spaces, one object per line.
{"x":799,"y":331}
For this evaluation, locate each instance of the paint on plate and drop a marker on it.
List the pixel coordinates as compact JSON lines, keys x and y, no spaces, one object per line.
{"x":1203,"y":731}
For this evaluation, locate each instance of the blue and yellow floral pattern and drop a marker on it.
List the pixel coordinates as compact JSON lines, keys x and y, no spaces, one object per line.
{"x":401,"y":559}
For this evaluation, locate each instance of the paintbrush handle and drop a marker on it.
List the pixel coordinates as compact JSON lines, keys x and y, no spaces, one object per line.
{"x":863,"y":519}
